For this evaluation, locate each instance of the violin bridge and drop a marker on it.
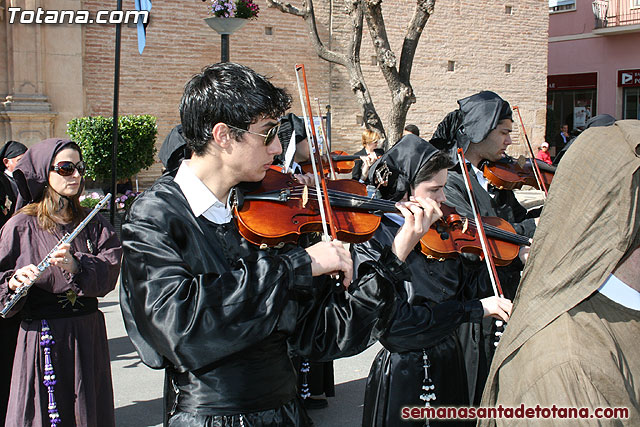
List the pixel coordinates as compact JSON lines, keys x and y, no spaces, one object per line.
{"x":305,"y":196}
{"x":465,"y":225}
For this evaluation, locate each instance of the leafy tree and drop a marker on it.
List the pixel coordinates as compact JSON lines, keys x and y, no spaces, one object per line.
{"x":136,"y":144}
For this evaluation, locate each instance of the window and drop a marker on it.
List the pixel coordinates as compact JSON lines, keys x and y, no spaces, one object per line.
{"x":268,"y":31}
{"x":508,"y":10}
{"x":451,"y":66}
{"x":635,"y":4}
{"x":631,"y":105}
{"x":562,"y":5}
{"x":507,"y":68}
{"x":374,"y":60}
{"x":571,"y":107}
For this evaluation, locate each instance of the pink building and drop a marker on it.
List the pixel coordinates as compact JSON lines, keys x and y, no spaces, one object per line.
{"x":594,"y":61}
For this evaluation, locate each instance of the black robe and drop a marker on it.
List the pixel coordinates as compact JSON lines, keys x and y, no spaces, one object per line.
{"x":356,"y":173}
{"x":504,"y":205}
{"x":8,"y":327}
{"x":8,"y":193}
{"x":437,"y":297}
{"x":216,"y":312}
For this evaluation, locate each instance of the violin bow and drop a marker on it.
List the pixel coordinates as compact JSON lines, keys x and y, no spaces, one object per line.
{"x":536,"y":169}
{"x":486,"y":249}
{"x":316,"y":161}
{"x":326,"y":141}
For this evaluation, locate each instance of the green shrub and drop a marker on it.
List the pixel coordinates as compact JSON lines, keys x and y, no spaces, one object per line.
{"x":136,"y":144}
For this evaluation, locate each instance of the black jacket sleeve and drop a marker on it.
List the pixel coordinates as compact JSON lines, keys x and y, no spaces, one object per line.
{"x":416,"y":322}
{"x":341,"y":324}
{"x":183,"y":302}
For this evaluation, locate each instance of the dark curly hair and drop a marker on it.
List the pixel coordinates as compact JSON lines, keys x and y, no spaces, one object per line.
{"x":227,"y":93}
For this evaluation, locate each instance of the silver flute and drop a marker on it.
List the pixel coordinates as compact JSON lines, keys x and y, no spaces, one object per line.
{"x":45,"y":263}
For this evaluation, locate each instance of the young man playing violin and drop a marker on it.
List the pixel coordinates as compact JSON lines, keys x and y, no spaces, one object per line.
{"x":482,"y":127}
{"x":217,"y":312}
{"x":422,"y":348}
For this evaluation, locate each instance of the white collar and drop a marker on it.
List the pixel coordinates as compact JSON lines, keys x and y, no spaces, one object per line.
{"x":201,"y":200}
{"x":6,"y":172}
{"x":484,"y":182}
{"x":618,"y":291}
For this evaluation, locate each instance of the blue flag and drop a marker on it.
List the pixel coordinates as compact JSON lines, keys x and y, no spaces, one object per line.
{"x":142,"y":30}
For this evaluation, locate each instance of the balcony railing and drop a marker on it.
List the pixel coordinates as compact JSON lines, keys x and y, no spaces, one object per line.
{"x":616,"y":13}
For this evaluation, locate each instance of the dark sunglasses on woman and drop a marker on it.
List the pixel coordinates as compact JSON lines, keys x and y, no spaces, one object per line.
{"x":67,"y":168}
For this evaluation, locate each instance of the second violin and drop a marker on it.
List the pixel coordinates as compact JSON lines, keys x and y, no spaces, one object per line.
{"x":509,"y":173}
{"x":454,"y":234}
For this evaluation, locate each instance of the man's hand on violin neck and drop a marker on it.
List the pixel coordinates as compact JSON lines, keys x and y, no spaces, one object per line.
{"x":331,"y":257}
{"x":418,"y":214}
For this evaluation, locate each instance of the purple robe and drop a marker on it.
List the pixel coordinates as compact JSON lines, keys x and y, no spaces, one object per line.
{"x":80,"y":355}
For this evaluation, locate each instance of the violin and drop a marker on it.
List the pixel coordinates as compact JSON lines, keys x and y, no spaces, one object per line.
{"x":281,"y":209}
{"x":509,"y":174}
{"x":454,"y":234}
{"x":341,"y":160}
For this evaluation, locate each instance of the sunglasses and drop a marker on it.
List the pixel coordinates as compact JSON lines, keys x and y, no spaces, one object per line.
{"x":268,"y":137}
{"x":67,"y":168}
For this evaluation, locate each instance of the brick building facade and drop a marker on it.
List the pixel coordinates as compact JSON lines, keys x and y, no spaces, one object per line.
{"x":56,"y":72}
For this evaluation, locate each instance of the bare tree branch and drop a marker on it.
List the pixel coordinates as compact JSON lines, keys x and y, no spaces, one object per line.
{"x":356,"y":77}
{"x":308,"y":14}
{"x":424,"y":9}
{"x":396,"y":74}
{"x":285,"y":7}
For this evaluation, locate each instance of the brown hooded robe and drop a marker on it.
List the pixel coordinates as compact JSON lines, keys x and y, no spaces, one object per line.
{"x":566,"y":344}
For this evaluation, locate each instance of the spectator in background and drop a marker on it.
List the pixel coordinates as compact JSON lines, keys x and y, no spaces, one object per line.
{"x":543,"y":153}
{"x":596,"y":121}
{"x":411,"y":129}
{"x":369,"y":154}
{"x":560,"y":140}
{"x":10,"y":155}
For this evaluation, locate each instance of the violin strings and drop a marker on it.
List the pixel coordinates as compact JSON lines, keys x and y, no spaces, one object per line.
{"x":389,"y":206}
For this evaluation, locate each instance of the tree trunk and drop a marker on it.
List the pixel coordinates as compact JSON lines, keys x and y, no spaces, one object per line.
{"x":396,"y":76}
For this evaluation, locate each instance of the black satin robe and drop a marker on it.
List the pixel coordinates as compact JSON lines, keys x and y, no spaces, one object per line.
{"x":436,"y":299}
{"x":216,"y":312}
{"x":8,"y":327}
{"x":503,"y":205}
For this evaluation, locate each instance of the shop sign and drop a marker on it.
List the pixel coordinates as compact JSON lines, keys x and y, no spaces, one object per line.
{"x":579,"y":81}
{"x":628,"y":78}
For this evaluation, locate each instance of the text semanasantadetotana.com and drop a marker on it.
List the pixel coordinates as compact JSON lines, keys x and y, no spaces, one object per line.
{"x":518,"y":412}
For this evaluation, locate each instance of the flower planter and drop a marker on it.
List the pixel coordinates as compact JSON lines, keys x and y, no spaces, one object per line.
{"x":225,"y":25}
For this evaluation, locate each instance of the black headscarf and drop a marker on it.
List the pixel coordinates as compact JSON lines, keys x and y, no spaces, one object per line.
{"x":404,"y":160}
{"x":174,"y":149}
{"x":32,"y":172}
{"x":11,"y":150}
{"x":478,"y":115}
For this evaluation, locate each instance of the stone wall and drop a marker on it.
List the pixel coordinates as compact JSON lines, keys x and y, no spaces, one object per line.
{"x":478,"y":36}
